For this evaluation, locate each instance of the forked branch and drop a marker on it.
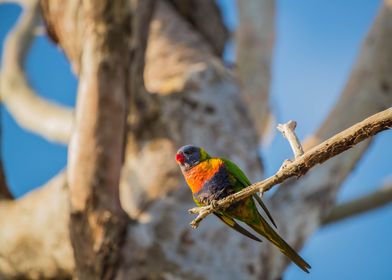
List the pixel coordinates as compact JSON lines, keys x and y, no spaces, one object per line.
{"x":317,"y":155}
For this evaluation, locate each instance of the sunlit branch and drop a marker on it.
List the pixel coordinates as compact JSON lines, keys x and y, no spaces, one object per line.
{"x":50,"y":120}
{"x":317,"y":155}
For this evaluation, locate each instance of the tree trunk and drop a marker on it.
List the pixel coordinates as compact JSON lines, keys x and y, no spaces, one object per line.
{"x":188,"y":96}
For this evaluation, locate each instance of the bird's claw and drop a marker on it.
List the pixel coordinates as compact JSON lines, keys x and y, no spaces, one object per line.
{"x":214,"y":205}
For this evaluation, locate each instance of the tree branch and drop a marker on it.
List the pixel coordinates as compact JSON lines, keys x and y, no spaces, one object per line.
{"x":50,"y":120}
{"x":317,"y":155}
{"x":112,"y":62}
{"x":358,"y":206}
{"x":301,"y":204}
{"x":255,"y":39}
{"x":288,"y":132}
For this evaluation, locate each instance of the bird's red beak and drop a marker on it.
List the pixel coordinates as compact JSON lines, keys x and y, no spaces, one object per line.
{"x":180,"y":158}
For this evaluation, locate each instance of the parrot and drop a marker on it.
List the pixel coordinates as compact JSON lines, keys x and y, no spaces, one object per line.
{"x":212,"y":179}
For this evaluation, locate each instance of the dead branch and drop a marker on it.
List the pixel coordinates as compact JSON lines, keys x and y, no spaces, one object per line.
{"x":358,"y":206}
{"x":301,"y":204}
{"x":288,"y":132}
{"x":317,"y":155}
{"x":50,"y":120}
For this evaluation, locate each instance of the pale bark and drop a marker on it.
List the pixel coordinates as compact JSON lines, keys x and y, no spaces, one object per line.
{"x":204,"y":16}
{"x":112,"y":59}
{"x":34,"y":240}
{"x":288,"y":132}
{"x":191,"y":110}
{"x":255,"y":38}
{"x":50,"y":120}
{"x":193,"y":94}
{"x":192,"y":98}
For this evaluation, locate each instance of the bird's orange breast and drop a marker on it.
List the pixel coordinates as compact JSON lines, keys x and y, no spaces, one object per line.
{"x":201,"y":173}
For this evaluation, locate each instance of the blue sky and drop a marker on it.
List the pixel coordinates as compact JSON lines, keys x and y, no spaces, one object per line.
{"x":316,"y":45}
{"x":30,"y":160}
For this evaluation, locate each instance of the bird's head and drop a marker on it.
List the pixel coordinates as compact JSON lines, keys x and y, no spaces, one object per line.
{"x":189,"y":156}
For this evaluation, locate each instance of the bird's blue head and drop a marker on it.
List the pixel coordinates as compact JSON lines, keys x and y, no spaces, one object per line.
{"x":189,"y":156}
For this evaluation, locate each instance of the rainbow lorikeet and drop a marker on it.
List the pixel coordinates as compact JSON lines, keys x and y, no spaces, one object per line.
{"x":215,"y":178}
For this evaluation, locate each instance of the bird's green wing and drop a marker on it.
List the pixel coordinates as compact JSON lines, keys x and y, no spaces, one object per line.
{"x":234,"y":225}
{"x":231,"y":223}
{"x":241,"y":177}
{"x":237,"y":172}
{"x":258,"y":199}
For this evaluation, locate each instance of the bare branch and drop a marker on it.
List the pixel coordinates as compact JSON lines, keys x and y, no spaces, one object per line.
{"x":317,"y":155}
{"x":288,"y":132}
{"x":50,"y":120}
{"x":301,"y":204}
{"x":255,"y":39}
{"x":358,"y":206}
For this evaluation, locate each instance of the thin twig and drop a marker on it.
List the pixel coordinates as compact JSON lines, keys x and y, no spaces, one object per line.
{"x":366,"y":203}
{"x":317,"y":155}
{"x":288,"y":131}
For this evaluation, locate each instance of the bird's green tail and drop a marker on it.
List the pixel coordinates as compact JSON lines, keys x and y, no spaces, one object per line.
{"x":268,"y":232}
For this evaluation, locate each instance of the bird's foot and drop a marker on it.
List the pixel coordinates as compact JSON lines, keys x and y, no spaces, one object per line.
{"x":214,"y":205}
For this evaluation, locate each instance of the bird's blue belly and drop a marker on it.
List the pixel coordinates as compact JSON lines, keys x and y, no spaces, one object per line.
{"x":218,"y":187}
